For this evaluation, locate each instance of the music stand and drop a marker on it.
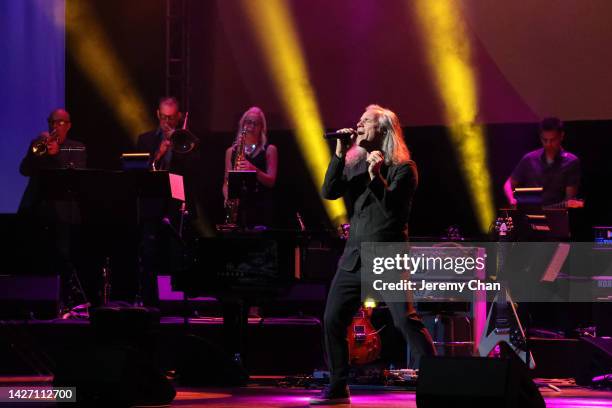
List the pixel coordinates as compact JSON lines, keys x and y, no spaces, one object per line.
{"x":135,"y":161}
{"x":108,"y":200}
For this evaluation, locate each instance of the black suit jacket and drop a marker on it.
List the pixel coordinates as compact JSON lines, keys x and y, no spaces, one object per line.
{"x":187,"y":164}
{"x":378,"y":209}
{"x":31,"y":165}
{"x":183,"y":164}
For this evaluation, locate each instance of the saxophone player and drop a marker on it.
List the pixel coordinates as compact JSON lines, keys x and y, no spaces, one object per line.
{"x":251,"y":151}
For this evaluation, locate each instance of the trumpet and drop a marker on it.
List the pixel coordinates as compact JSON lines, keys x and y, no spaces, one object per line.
{"x":41,"y":146}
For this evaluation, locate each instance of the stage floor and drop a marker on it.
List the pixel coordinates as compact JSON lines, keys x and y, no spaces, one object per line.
{"x":258,"y":394}
{"x":262,"y":391}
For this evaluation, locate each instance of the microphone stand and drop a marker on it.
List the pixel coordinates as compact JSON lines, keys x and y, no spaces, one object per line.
{"x":183,"y":211}
{"x":178,"y":236}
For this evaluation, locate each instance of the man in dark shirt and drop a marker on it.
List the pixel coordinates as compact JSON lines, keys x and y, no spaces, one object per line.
{"x":54,"y":221}
{"x":62,"y":153}
{"x":159,"y":144}
{"x":552,"y":168}
{"x":377,"y":180}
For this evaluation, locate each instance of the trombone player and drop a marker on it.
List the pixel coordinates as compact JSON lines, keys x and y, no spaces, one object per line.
{"x":174,"y":149}
{"x":165,"y":153}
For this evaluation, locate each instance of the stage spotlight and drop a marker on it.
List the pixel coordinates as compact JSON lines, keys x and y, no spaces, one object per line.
{"x":273,"y":26}
{"x":448,"y":47}
{"x":94,"y":55}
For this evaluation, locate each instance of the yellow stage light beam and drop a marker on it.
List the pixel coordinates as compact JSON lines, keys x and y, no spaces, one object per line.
{"x":201,"y":223}
{"x":448,"y":47}
{"x":273,"y":26}
{"x":94,"y":55}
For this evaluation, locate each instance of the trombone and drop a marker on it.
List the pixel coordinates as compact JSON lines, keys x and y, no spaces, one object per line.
{"x":183,"y":141}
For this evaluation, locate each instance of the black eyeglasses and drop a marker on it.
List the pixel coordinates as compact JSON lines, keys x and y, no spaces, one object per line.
{"x":168,"y":117}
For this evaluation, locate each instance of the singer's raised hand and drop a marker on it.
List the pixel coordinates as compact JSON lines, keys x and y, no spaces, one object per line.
{"x":342,"y":145}
{"x":346,"y":130}
{"x":375,"y":160}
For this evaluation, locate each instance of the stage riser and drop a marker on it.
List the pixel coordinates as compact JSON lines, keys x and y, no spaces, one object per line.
{"x":272,"y":348}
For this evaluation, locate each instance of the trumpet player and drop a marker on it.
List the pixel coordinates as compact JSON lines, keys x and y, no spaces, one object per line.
{"x":52,"y":149}
{"x":54,"y":221}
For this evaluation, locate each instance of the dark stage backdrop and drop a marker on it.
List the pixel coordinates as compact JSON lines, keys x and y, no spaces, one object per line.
{"x":522,"y":74}
{"x":530,"y":59}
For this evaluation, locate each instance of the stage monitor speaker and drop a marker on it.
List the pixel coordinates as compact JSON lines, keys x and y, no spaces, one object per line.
{"x":476,"y":382}
{"x":118,"y":366}
{"x":595,"y":358}
{"x":112,"y":376}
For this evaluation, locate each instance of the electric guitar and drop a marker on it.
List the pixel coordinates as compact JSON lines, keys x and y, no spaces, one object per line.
{"x":363,"y":339}
{"x":503,"y":325}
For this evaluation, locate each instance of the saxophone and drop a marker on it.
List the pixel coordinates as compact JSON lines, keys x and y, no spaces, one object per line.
{"x":232,"y":206}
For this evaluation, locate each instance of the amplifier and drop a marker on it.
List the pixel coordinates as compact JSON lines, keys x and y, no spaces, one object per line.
{"x":457,"y":326}
{"x":603,"y":237}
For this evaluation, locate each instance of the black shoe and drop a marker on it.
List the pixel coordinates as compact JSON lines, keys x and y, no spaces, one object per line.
{"x":335,"y":396}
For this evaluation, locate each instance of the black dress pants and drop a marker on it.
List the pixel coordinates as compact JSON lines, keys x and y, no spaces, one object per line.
{"x":343,"y":301}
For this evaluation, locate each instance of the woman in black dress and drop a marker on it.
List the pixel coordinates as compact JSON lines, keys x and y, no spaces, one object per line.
{"x":256,"y":155}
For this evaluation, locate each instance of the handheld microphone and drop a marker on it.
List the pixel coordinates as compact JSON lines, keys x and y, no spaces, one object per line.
{"x":339,"y":135}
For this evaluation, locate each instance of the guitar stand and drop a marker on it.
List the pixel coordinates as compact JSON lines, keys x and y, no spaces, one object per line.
{"x":80,"y":310}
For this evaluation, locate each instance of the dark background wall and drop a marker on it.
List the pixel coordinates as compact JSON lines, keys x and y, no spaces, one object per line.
{"x":228,"y":76}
